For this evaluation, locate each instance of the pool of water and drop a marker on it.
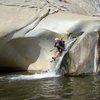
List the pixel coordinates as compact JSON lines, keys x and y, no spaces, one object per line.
{"x":15,"y":87}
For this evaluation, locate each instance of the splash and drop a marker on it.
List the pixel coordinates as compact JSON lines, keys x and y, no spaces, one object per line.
{"x":33,"y":77}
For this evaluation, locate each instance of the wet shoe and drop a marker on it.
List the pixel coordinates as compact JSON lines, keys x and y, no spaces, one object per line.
{"x":53,"y":59}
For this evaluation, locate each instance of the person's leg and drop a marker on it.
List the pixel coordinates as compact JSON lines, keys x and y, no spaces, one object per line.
{"x":56,"y":55}
{"x":59,"y":52}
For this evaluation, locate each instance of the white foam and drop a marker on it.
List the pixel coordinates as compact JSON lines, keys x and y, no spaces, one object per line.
{"x":34,"y":76}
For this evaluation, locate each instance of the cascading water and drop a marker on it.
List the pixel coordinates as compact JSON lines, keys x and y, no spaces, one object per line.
{"x":57,"y":63}
{"x":95,"y":59}
{"x":52,"y":72}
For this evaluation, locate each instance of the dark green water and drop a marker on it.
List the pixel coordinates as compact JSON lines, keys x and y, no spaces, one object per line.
{"x":55,"y":88}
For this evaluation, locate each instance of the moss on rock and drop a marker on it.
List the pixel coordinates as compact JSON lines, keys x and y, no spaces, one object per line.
{"x":64,"y":68}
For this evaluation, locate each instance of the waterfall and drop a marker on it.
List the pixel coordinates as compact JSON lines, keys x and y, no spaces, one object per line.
{"x":56,"y":64}
{"x":52,"y":72}
{"x":95,"y":60}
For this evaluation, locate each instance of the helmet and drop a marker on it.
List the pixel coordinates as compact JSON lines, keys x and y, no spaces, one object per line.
{"x":56,"y":39}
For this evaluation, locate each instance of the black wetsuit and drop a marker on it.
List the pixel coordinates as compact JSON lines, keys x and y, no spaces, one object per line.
{"x":60,"y":45}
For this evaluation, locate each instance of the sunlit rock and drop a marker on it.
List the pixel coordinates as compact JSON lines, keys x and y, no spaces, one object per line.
{"x":28,"y":29}
{"x":82,"y":54}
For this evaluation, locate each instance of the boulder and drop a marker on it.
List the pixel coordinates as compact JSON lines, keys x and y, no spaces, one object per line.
{"x":82,"y":54}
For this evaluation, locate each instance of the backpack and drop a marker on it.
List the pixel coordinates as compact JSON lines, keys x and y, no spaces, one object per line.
{"x":62,"y":43}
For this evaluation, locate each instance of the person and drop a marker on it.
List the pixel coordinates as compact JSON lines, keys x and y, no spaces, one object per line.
{"x":60,"y":46}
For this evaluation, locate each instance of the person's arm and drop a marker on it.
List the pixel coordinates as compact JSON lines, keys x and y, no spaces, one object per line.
{"x":53,"y":47}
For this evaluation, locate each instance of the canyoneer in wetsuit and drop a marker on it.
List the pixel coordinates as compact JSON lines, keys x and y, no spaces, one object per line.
{"x":60,"y":46}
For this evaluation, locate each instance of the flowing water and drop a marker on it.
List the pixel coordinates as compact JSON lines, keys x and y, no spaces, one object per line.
{"x":29,"y":87}
{"x":49,"y":85}
{"x":56,"y":64}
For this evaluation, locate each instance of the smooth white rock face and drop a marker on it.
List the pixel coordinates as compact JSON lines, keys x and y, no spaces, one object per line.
{"x":27,"y":33}
{"x":14,"y":18}
{"x":82,"y":54}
